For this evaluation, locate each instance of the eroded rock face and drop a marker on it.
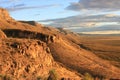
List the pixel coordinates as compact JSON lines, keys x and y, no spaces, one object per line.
{"x":4,"y":15}
{"x":16,"y":33}
{"x":24,"y":59}
{"x":2,"y":35}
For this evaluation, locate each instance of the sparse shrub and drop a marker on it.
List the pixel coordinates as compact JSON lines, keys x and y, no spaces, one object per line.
{"x":1,"y":77}
{"x":5,"y":77}
{"x":39,"y":78}
{"x":52,"y":75}
{"x":87,"y":76}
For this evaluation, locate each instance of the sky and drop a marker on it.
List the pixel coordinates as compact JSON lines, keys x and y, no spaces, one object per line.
{"x":38,"y":9}
{"x":76,"y":15}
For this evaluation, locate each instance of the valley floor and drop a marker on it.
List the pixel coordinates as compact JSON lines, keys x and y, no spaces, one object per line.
{"x":106,"y":47}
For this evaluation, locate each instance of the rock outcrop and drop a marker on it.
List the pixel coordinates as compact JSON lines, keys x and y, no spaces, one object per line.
{"x":17,"y":33}
{"x":24,"y":59}
{"x":2,"y":35}
{"x":4,"y":15}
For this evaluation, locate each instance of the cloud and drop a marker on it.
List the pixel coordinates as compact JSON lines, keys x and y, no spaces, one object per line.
{"x":8,"y":1}
{"x":92,"y":24}
{"x":95,"y":5}
{"x":102,"y":32}
{"x":24,"y":7}
{"x":111,"y":15}
{"x":2,"y":2}
{"x":89,"y":24}
{"x":19,"y":5}
{"x":94,"y":29}
{"x":15,"y":5}
{"x":8,"y":4}
{"x":85,"y":21}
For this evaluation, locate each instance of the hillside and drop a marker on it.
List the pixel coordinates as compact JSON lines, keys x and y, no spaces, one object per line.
{"x":30,"y":50}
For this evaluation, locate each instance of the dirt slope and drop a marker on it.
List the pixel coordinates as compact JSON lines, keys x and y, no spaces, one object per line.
{"x":31,"y":50}
{"x":82,"y":61}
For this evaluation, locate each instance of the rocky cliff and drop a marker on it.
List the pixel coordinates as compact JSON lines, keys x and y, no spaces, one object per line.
{"x":4,"y":15}
{"x":24,"y":59}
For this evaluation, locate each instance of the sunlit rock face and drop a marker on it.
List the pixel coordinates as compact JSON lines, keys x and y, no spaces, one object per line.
{"x":4,"y":15}
{"x":2,"y":35}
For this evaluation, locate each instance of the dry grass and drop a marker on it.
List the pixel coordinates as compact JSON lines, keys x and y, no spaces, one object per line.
{"x":106,"y":47}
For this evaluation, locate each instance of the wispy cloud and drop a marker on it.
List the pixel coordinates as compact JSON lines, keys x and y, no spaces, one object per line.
{"x":86,"y":21}
{"x":16,"y":5}
{"x":102,"y":32}
{"x":19,"y":5}
{"x":104,"y":28}
{"x":11,"y":3}
{"x":95,"y":5}
{"x":24,"y":7}
{"x":7,"y":1}
{"x":3,"y":2}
